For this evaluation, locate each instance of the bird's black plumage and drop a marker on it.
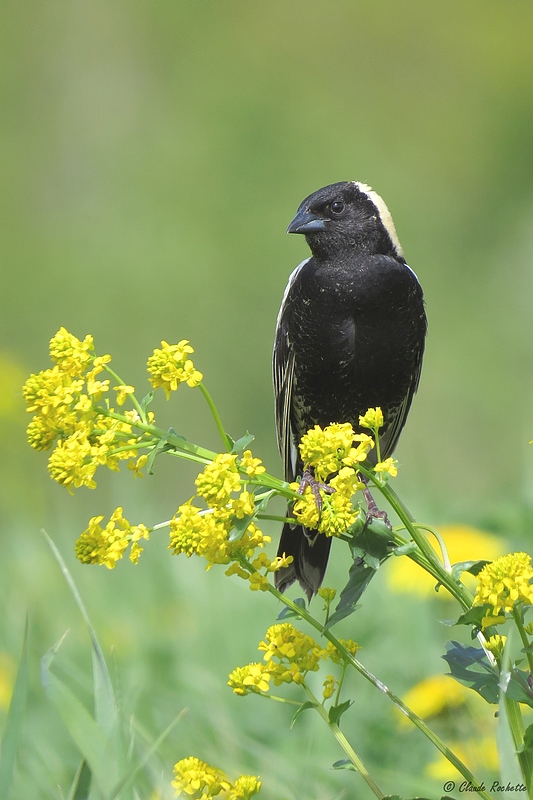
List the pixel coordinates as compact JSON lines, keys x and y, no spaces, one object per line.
{"x":350,"y":336}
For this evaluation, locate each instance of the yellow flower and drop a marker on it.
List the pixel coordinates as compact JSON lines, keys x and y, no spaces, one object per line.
{"x":258,"y":582}
{"x":252,"y":466}
{"x":72,"y":355}
{"x":198,"y":780}
{"x":170,"y":365}
{"x":505,"y":582}
{"x":327,"y":594}
{"x":496,"y":644}
{"x":325,"y":449}
{"x":464,"y":543}
{"x":337,"y":514}
{"x":373,"y":419}
{"x":389,"y":465}
{"x":206,"y":533}
{"x":72,"y":463}
{"x":335,"y":655}
{"x":285,"y":644}
{"x":329,"y":685}
{"x":280,"y":562}
{"x":245,"y":787}
{"x":479,"y":754}
{"x":434,"y":695}
{"x":123,"y":393}
{"x":106,"y":546}
{"x":7,"y":679}
{"x":250,"y":678}
{"x":305,"y":509}
{"x":219,"y":479}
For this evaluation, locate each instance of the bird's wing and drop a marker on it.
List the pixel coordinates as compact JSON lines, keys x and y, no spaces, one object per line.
{"x":283,"y":384}
{"x":283,"y":371}
{"x":398,"y":416}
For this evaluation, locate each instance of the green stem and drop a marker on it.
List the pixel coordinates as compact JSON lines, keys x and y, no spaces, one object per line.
{"x":228,"y":444}
{"x":345,"y":744}
{"x":517,"y":616}
{"x":415,"y":719}
{"x":456,"y":588}
{"x":141,"y":412}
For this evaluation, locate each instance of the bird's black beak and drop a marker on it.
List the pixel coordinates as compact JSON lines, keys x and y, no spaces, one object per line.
{"x":305,"y":222}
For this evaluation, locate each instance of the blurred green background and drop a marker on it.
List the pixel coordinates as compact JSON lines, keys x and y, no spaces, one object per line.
{"x":152,"y":157}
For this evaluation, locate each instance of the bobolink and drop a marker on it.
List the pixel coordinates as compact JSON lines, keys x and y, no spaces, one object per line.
{"x":350,"y":336}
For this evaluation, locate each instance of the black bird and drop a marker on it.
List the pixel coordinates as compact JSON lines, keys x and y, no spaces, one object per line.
{"x":350,"y":336}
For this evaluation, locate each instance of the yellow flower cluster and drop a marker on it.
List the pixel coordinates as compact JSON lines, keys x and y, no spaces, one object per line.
{"x":505,"y":582}
{"x":328,"y":449}
{"x":170,"y":365}
{"x":496,"y":645}
{"x":373,"y":419}
{"x":288,"y":655}
{"x":200,"y":781}
{"x":63,"y":400}
{"x":337,"y":512}
{"x":98,"y":545}
{"x":206,"y":532}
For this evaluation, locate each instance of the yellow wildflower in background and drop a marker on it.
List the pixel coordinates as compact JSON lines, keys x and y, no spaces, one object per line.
{"x":505,"y":582}
{"x":464,"y":543}
{"x":435,"y":695}
{"x":170,"y":365}
{"x":479,"y":753}
{"x":245,"y":787}
{"x":7,"y":679}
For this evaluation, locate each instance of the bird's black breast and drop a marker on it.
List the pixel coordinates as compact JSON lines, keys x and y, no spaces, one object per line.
{"x":356,"y":333}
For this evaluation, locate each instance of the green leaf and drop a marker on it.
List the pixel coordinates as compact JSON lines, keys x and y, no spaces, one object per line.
{"x":81,"y":785}
{"x":127,"y":779}
{"x":344,"y":763}
{"x":336,"y":712}
{"x":302,"y":708}
{"x":287,"y":612}
{"x":94,"y":746}
{"x":359,"y":576}
{"x":15,"y":717}
{"x":155,"y":451}
{"x":240,"y":525}
{"x":528,"y":738}
{"x":374,"y":540}
{"x":242,"y":443}
{"x":473,"y":567}
{"x":147,"y":399}
{"x":106,"y":711}
{"x":473,"y":616}
{"x":471,"y":667}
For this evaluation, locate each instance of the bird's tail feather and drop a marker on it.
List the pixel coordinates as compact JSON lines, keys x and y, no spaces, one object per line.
{"x":310,"y":552}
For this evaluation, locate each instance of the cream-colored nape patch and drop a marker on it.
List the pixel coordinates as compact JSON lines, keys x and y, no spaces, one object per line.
{"x":384,"y":214}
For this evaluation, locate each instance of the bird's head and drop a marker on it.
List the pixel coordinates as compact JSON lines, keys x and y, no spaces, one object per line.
{"x":346,"y":216}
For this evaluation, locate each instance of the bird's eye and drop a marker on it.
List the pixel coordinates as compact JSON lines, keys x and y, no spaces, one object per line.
{"x":337,"y":207}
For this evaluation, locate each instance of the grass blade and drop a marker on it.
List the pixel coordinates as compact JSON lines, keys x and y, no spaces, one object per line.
{"x":15,"y":717}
